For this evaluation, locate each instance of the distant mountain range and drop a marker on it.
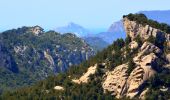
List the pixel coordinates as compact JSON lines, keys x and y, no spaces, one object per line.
{"x":95,"y":41}
{"x":116,"y":30}
{"x":73,"y":28}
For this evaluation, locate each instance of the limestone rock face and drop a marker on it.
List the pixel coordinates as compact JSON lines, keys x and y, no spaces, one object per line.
{"x":150,"y":48}
{"x":140,"y":74}
{"x":49,"y":58}
{"x":84,"y":79}
{"x":116,"y":80}
{"x":58,"y":88}
{"x":134,"y":29}
{"x":146,"y":49}
{"x":120,"y":84}
{"x":133,"y":45}
{"x":20,"y":49}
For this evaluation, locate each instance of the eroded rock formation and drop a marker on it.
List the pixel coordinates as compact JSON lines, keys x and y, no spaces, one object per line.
{"x":85,"y":77}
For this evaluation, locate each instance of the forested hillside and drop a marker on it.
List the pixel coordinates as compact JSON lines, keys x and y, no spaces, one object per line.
{"x":29,"y":54}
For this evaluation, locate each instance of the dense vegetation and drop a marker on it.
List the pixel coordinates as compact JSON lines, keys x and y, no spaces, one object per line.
{"x":23,"y":61}
{"x":90,"y":91}
{"x":142,"y":19}
{"x":158,"y":82}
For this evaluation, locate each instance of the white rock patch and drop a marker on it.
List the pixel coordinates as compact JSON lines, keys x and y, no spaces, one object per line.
{"x":58,"y":88}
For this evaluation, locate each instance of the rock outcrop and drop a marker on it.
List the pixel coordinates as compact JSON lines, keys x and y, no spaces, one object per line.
{"x":116,"y":80}
{"x":140,"y":74}
{"x":85,"y":77}
{"x":49,"y":58}
{"x":146,"y":62}
{"x":146,"y":49}
{"x":120,"y":84}
{"x":134,"y":29}
{"x":59,"y":88}
{"x":36,"y":30}
{"x":133,"y":45}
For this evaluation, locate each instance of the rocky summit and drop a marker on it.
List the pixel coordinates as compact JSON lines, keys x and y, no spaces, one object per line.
{"x":135,"y":68}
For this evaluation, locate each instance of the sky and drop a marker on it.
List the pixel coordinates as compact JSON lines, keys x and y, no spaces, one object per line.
{"x":91,"y":14}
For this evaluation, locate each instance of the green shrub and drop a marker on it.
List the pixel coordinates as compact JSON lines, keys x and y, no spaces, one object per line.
{"x":131,"y":66}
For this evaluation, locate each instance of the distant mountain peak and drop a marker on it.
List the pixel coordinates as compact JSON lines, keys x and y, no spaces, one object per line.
{"x":72,"y":24}
{"x":116,"y":26}
{"x":73,"y":28}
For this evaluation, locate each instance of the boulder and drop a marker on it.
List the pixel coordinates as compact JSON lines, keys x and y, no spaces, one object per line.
{"x":58,"y":88}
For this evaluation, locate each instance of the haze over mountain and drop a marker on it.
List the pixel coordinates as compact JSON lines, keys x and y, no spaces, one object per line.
{"x":97,"y":42}
{"x":115,"y":31}
{"x":73,"y":28}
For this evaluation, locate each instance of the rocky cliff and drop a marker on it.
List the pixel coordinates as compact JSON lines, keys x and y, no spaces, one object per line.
{"x":146,"y":61}
{"x":134,"y":29}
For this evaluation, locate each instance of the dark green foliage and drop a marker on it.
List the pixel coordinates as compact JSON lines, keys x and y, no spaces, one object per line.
{"x":139,"y":40}
{"x":156,"y":41}
{"x":131,"y":66}
{"x":152,"y":39}
{"x":128,"y":40}
{"x":44,"y":90}
{"x":142,"y":19}
{"x":162,"y":79}
{"x":97,"y":43}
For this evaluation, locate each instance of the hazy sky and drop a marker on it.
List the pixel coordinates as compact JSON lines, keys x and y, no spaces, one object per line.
{"x":88,"y":13}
